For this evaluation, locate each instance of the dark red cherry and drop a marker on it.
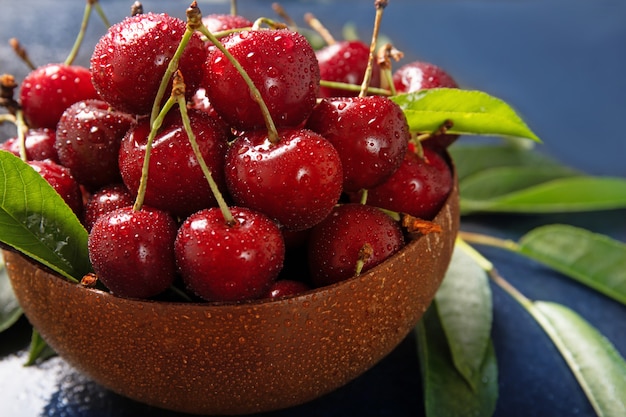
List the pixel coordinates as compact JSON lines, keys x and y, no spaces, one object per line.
{"x":281,"y":64}
{"x":370,"y":133}
{"x":176,"y":182}
{"x":296,"y":181}
{"x":286,"y":288}
{"x":419,"y":187}
{"x":337,"y":244}
{"x":39,"y":145}
{"x":223,"y":262}
{"x":60,"y":178}
{"x":88,"y":141}
{"x":129,"y":61}
{"x":346,"y":62}
{"x":105,"y":200}
{"x":218,"y":22}
{"x":47,"y":91}
{"x":132,"y":252}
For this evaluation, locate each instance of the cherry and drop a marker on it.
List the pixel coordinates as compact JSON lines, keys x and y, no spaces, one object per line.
{"x":60,"y":178}
{"x":345,"y":62}
{"x":281,"y":64}
{"x":129,"y":61}
{"x":218,"y":22}
{"x":419,"y":187}
{"x":420,"y":75}
{"x":295,"y":181}
{"x":39,"y":144}
{"x":175,"y":180}
{"x":370,"y":133}
{"x":336,"y":245}
{"x":105,"y":200}
{"x":132,"y":251}
{"x":229,"y":262}
{"x":88,"y":139}
{"x":48,"y":90}
{"x":286,"y":288}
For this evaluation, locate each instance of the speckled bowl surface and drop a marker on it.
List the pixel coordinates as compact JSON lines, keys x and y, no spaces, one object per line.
{"x":226,"y":359}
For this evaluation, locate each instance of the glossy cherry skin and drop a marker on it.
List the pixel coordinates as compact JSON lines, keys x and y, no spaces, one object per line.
{"x":132,"y":251}
{"x":129,"y":61}
{"x":48,"y":90}
{"x":345,"y":62}
{"x":223,"y":262}
{"x":88,"y":140}
{"x":335,"y":243}
{"x":419,"y":187}
{"x":286,"y":288}
{"x":420,"y":75}
{"x":281,"y":64}
{"x":296,"y":181}
{"x":63,"y":182}
{"x":105,"y":200}
{"x":370,"y":133}
{"x":176,"y":182}
{"x":39,"y":145}
{"x":218,"y":22}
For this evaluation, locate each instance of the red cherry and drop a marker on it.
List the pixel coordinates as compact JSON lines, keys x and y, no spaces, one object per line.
{"x":175,"y":180}
{"x":47,"y":91}
{"x":63,"y":182}
{"x":419,"y":187}
{"x":218,"y":22}
{"x":39,"y":145}
{"x":420,"y":75}
{"x":88,"y":141}
{"x":346,"y":62}
{"x":105,"y":200}
{"x":132,"y":252}
{"x":296,"y":181}
{"x":370,"y":133}
{"x":281,"y":64}
{"x":286,"y":288}
{"x":222,"y":262}
{"x":129,"y":61}
{"x":336,"y":243}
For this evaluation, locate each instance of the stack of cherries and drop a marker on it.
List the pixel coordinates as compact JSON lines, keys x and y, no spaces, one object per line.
{"x":313,"y":177}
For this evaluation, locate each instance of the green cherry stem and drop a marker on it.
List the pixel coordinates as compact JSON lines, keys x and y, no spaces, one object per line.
{"x":103,"y":17}
{"x":272,"y":132}
{"x":193,"y":19}
{"x":179,"y":93}
{"x":81,"y":33}
{"x":354,"y":87}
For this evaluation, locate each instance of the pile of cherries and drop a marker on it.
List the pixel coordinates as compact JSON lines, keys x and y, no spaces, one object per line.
{"x":311,"y":191}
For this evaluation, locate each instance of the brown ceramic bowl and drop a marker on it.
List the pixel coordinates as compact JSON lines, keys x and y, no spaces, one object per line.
{"x":238,"y":358}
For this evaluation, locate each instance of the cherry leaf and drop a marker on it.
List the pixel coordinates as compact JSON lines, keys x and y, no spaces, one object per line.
{"x":472,"y":113}
{"x":446,"y":391}
{"x":465,"y":311}
{"x":593,"y":259}
{"x":596,"y":364}
{"x":35,"y":220}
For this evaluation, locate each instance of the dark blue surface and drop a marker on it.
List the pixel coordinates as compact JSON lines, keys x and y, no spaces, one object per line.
{"x":559,"y":63}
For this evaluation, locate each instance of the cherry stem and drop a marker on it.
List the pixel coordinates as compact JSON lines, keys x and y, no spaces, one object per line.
{"x":22,"y":130}
{"x":21,"y":52}
{"x":365,"y":253}
{"x":363,"y":196}
{"x":385,"y":54}
{"x":103,"y":17}
{"x":353,"y":87}
{"x":154,"y":128}
{"x":272,"y":24}
{"x":178,"y":92}
{"x":81,"y":33}
{"x":282,"y":13}
{"x":194,"y":19}
{"x":272,"y":132}
{"x":233,"y":7}
{"x":319,"y":28}
{"x":380,"y":7}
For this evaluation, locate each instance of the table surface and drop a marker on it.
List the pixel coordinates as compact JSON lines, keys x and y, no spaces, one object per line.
{"x":560,"y":64}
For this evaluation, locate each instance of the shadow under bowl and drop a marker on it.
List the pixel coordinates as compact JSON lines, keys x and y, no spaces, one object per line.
{"x":228,"y":359}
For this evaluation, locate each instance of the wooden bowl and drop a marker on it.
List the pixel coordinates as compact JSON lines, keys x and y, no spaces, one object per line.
{"x":237,"y":358}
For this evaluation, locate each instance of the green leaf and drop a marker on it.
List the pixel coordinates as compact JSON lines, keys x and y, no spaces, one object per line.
{"x":597,"y":365}
{"x":446,"y":392}
{"x":35,"y":220}
{"x":465,"y":311}
{"x":10,"y":310}
{"x":472,"y":112}
{"x":39,"y":350}
{"x":570,"y":194}
{"x":595,"y":260}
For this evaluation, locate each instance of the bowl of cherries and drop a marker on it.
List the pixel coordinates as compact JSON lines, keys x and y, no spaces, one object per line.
{"x":254,"y":241}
